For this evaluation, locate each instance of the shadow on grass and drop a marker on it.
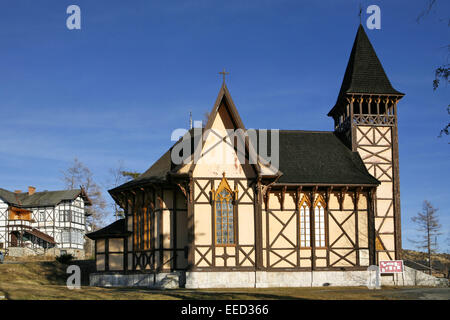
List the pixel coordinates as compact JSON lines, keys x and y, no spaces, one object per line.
{"x":56,"y":273}
{"x":184,"y":294}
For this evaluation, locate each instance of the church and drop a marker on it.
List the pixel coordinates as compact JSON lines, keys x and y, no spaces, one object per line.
{"x":320,"y":212}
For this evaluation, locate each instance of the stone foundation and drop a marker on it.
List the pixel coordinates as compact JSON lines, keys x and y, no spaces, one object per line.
{"x":261,"y":279}
{"x":167,"y":280}
{"x":52,"y":252}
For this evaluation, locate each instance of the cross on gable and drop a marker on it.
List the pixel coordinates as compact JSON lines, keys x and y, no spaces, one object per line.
{"x":224,"y":73}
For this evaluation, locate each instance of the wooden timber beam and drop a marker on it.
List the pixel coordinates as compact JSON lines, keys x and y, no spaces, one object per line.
{"x":283,"y":195}
{"x":183,"y":190}
{"x":266,"y":197}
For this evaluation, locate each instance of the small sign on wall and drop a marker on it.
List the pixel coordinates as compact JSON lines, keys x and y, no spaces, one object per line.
{"x":395,"y":266}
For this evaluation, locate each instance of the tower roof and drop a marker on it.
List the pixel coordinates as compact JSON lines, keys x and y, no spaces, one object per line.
{"x":364,"y":73}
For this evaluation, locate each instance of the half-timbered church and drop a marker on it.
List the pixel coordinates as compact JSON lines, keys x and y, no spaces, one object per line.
{"x":321,"y":216}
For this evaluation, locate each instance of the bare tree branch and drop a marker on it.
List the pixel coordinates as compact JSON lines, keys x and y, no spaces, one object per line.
{"x":78,"y":175}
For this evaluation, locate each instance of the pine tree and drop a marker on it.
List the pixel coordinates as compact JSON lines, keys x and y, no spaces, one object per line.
{"x":428,"y":226}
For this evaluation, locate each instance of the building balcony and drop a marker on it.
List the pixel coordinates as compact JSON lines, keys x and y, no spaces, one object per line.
{"x":18,"y":224}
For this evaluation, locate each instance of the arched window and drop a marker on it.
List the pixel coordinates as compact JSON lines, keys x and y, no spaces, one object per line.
{"x":319,"y":222}
{"x":224,"y":214}
{"x":305,"y":236}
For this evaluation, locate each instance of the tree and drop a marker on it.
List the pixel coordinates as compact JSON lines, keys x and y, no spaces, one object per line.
{"x":428,"y":226}
{"x":120,"y":176}
{"x":130,"y":175}
{"x":78,"y":175}
{"x":205,"y":118}
{"x":441,"y":72}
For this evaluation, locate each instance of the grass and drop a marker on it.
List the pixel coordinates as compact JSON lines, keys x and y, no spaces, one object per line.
{"x":440,"y":261}
{"x":46,"y":280}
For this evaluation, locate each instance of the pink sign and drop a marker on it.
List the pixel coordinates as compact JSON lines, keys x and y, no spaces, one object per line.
{"x":395,"y":266}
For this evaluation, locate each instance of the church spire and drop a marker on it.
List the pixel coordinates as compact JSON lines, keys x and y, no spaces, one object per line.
{"x":364,"y":73}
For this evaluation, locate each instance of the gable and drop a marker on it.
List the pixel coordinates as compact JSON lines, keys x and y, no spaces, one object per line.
{"x":217,"y":152}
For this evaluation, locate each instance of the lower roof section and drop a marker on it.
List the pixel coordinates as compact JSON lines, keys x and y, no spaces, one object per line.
{"x":115,"y":229}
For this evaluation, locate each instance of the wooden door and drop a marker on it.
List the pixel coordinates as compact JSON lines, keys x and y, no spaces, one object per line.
{"x":14,"y":241}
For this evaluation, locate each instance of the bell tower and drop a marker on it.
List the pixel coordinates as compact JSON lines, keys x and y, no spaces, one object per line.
{"x":365,"y":118}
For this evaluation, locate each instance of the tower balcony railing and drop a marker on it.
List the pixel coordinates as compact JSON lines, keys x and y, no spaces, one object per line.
{"x":374,"y":119}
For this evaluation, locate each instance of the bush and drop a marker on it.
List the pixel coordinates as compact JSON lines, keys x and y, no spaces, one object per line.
{"x":65,"y":258}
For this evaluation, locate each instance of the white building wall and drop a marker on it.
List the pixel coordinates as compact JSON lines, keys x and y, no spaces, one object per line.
{"x":3,"y":220}
{"x":67,"y":217}
{"x":70,"y":224}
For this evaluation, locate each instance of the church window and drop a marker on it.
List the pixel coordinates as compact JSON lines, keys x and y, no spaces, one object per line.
{"x":305,"y":235}
{"x":319,"y":222}
{"x":224,"y":214}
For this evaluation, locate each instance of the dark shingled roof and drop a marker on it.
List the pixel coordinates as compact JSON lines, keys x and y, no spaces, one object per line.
{"x":115,"y":229}
{"x":312,"y":157}
{"x":364,"y":73}
{"x":306,"y":157}
{"x":157,"y":173}
{"x":39,"y":199}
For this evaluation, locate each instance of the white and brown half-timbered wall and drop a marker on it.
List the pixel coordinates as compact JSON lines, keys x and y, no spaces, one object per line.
{"x":156,"y":223}
{"x":3,"y":224}
{"x":317,"y":228}
{"x":64,"y":223}
{"x":223,"y":212}
{"x":373,"y":134}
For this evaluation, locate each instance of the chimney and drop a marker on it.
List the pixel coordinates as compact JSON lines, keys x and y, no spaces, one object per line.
{"x":31,"y":190}
{"x":17,"y":191}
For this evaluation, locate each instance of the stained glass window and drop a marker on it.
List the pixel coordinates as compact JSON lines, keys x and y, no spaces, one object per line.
{"x":224,"y":218}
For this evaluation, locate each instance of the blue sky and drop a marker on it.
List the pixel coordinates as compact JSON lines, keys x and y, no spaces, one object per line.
{"x":116,"y":89}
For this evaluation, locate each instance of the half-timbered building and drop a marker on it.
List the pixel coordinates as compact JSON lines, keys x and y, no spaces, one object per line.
{"x":34,"y":222}
{"x":322,"y":215}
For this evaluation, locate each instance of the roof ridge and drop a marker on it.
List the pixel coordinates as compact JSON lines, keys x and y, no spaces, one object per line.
{"x":306,"y":131}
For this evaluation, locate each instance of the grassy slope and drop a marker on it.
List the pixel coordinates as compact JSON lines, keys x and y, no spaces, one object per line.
{"x":46,"y":280}
{"x":440,"y":261}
